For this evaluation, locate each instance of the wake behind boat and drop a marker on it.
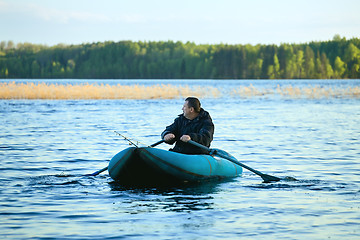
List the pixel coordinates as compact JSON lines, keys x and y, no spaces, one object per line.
{"x":146,"y":165}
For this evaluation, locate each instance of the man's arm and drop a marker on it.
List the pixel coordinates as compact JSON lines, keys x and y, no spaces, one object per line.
{"x":205,"y":135}
{"x":169,"y":134}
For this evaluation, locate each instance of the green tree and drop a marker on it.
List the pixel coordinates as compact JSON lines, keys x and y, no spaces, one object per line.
{"x":338,"y":58}
{"x":258,"y":68}
{"x":309,"y":63}
{"x":352,"y":57}
{"x":339,"y":68}
{"x":300,"y":73}
{"x":35,"y":69}
{"x":274,"y":69}
{"x":2,"y":45}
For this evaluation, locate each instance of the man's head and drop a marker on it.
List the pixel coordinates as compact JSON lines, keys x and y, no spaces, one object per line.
{"x":191,"y":108}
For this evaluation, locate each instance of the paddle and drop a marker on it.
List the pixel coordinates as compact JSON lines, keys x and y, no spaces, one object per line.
{"x":105,"y":168}
{"x":267,"y":178}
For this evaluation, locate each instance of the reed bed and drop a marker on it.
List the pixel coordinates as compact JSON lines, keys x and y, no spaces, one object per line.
{"x":315,"y":92}
{"x":12,"y":90}
{"x":310,"y":92}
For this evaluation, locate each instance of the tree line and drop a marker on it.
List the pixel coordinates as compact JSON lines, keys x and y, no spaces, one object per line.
{"x":338,"y":58}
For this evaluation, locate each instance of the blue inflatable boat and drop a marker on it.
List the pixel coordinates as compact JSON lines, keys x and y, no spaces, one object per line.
{"x":145,"y":165}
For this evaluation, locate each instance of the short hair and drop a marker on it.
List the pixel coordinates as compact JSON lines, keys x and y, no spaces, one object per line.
{"x":194,"y":102}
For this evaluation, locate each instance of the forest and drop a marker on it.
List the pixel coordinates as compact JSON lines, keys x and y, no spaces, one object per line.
{"x":338,"y":58}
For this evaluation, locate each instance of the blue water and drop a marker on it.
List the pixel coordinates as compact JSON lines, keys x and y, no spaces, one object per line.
{"x":46,"y":146}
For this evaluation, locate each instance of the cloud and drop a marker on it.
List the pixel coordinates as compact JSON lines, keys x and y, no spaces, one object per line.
{"x":131,"y":18}
{"x":63,"y":16}
{"x":51,"y":14}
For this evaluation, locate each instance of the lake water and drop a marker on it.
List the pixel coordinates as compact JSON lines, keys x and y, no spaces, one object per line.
{"x":304,"y":129}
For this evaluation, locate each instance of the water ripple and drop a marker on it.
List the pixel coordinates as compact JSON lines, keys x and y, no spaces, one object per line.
{"x":47,"y":146}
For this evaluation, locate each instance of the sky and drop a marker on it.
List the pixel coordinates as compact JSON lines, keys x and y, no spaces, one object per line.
{"x":52,"y":22}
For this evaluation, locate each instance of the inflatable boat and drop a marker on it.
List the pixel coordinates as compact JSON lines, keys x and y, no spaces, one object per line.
{"x":147,"y":165}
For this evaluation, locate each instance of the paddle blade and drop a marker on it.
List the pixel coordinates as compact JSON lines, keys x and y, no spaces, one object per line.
{"x":268,"y":178}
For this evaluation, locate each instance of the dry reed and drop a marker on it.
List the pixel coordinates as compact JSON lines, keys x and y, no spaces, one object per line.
{"x":310,"y":92}
{"x":12,"y":90}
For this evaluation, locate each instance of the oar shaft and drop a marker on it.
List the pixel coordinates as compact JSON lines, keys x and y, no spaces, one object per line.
{"x":223,"y":156}
{"x":239,"y":163}
{"x":265,"y":177}
{"x":157,"y":143}
{"x":97,"y":172}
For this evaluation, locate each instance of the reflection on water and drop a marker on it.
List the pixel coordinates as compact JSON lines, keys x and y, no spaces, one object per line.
{"x":181,"y":198}
{"x":311,"y":185}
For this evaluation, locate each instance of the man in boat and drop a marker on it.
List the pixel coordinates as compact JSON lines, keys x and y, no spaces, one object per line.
{"x":193,"y":124}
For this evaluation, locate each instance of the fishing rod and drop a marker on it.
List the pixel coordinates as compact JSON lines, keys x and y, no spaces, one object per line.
{"x":131,"y":141}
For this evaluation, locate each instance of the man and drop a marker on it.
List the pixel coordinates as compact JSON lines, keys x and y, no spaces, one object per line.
{"x":194,"y":124}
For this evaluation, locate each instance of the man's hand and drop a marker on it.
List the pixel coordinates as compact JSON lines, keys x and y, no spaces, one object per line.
{"x":185,"y":138}
{"x":168,"y":137}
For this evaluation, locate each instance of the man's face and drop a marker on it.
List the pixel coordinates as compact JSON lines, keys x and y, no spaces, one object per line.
{"x":186,"y":109}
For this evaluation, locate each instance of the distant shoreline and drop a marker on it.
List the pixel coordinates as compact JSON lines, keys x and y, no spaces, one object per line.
{"x":336,"y":59}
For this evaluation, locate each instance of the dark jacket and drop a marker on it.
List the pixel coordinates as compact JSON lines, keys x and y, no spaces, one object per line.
{"x":200,"y":129}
